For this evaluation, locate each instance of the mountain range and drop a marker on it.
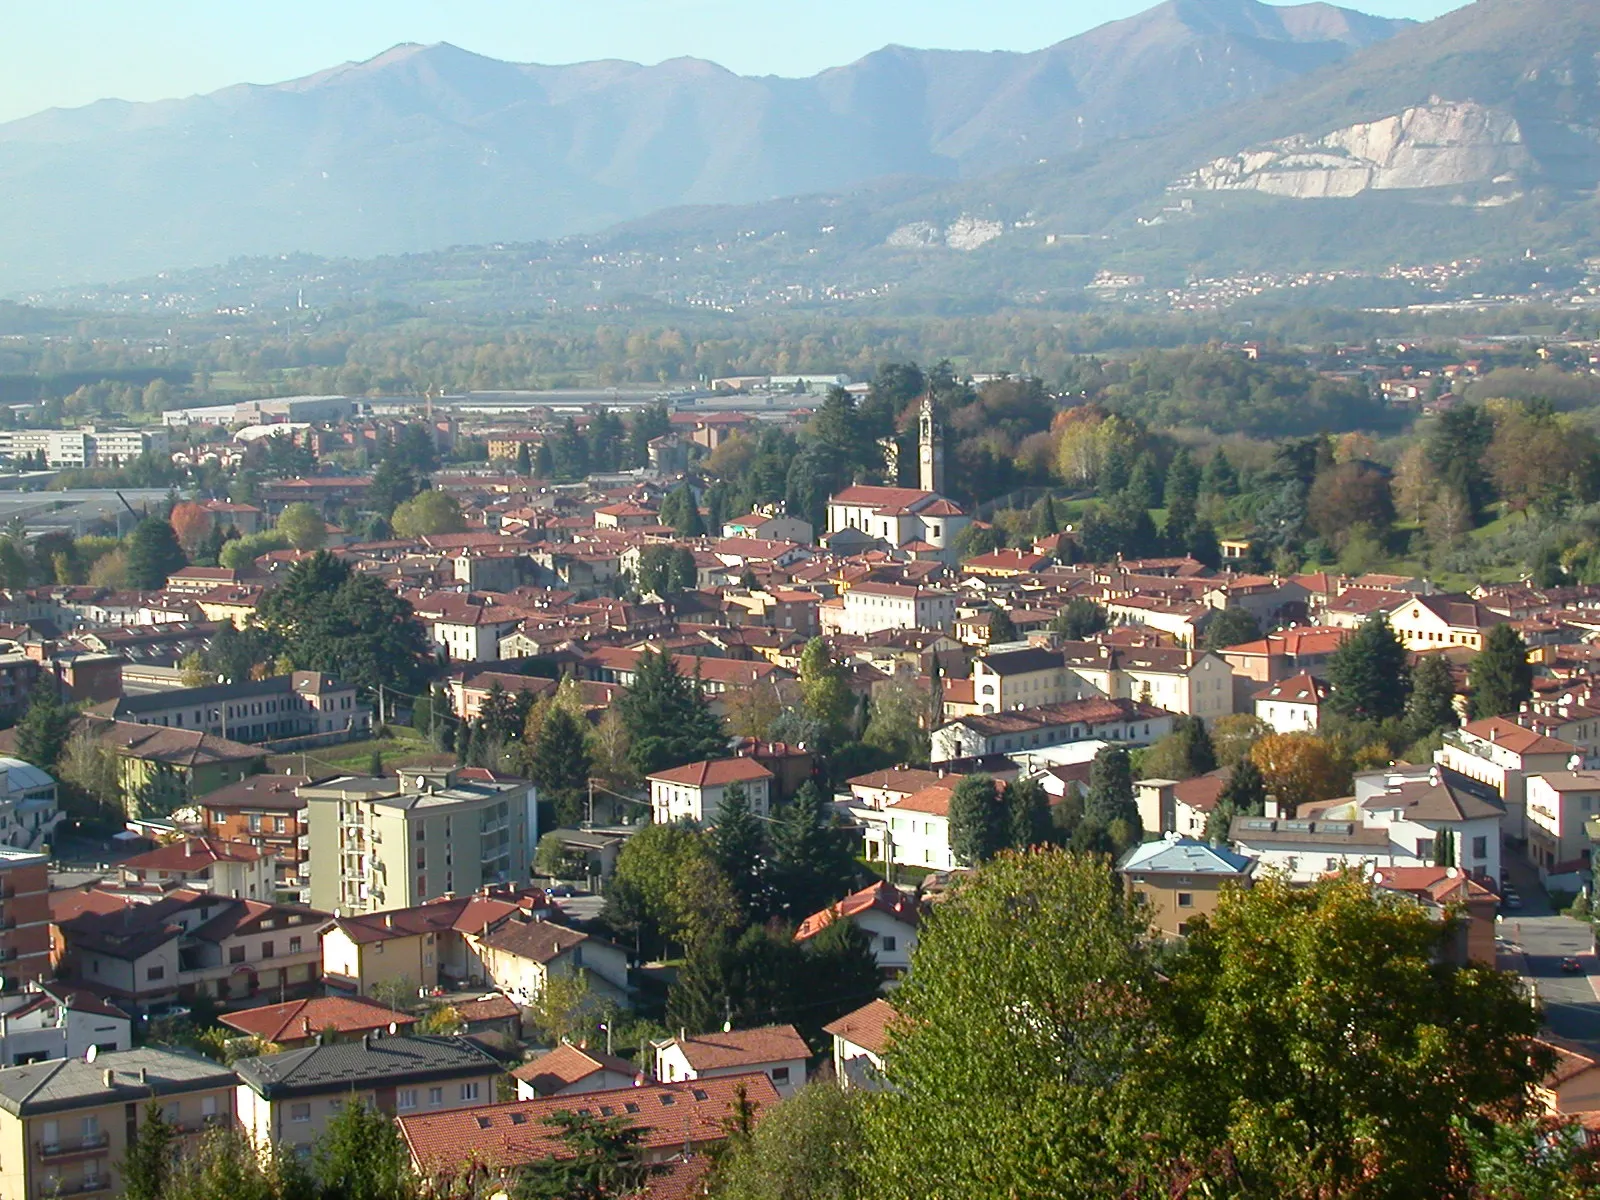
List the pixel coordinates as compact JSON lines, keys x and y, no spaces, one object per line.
{"x":430,"y":146}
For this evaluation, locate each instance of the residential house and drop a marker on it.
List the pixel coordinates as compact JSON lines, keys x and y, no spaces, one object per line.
{"x":860,"y":1041}
{"x":777,"y":1051}
{"x":302,"y":1023}
{"x":203,"y":864}
{"x":59,"y":1020}
{"x":915,"y":831}
{"x":285,"y":1101}
{"x":1450,"y":894}
{"x":162,"y":769}
{"x":1560,"y":805}
{"x":1178,"y":878}
{"x":1417,"y":806}
{"x":1182,"y":806}
{"x":394,"y":843}
{"x":1499,"y":752}
{"x":1184,"y":621}
{"x":1305,"y":850}
{"x":68,"y":1125}
{"x":570,"y":1070}
{"x":695,"y":792}
{"x":522,"y":953}
{"x":692,"y":1116}
{"x":1430,"y":622}
{"x":1292,"y":705}
{"x":770,"y":528}
{"x":1573,"y":1084}
{"x":885,"y":914}
{"x":869,"y":607}
{"x":423,"y":946}
{"x":1020,"y":730}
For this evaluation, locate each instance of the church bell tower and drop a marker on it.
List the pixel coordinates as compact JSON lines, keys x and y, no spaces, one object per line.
{"x":930,"y":444}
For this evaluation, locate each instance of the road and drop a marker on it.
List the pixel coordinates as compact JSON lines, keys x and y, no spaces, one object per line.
{"x":1572,"y":1002}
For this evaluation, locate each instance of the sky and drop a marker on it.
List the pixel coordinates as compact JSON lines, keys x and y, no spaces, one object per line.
{"x":71,"y":52}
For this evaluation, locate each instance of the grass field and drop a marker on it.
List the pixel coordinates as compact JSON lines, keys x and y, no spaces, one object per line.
{"x":401,"y":748}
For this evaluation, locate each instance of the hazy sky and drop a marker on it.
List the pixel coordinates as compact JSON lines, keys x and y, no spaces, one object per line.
{"x":71,"y":52}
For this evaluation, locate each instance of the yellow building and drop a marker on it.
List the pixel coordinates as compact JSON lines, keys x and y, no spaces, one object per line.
{"x":65,"y":1125}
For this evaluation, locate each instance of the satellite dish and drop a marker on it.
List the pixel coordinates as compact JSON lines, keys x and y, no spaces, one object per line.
{"x":727,"y":1027}
{"x":394,"y":1028}
{"x":91,"y":1054}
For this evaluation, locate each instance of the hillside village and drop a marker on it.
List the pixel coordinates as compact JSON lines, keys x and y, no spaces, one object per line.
{"x":484,"y":792}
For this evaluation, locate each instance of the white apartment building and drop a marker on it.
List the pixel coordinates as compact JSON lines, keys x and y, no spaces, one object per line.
{"x":1560,"y":803}
{"x":1017,"y":731}
{"x":1292,"y":705}
{"x":870,"y":607}
{"x":85,"y":447}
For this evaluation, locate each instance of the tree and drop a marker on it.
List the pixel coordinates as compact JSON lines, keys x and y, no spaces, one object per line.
{"x":647,"y":898}
{"x":148,"y":1164}
{"x":42,"y":733}
{"x":897,"y":724}
{"x":1352,"y":1050}
{"x":563,"y":1008}
{"x":195,"y":672}
{"x":192,"y":524}
{"x":1079,"y":619}
{"x":1431,"y":704}
{"x":428,"y":513}
{"x":227,"y":1166}
{"x":1299,"y":768}
{"x":442,"y":1020}
{"x":839,"y":973}
{"x":1045,"y":522}
{"x":1231,"y":627}
{"x":1001,"y":628}
{"x":1018,"y":1029}
{"x":1144,"y":483}
{"x":980,"y":826}
{"x":360,"y":1155}
{"x":524,"y":460}
{"x":668,"y":719}
{"x":808,"y":1148}
{"x":1110,"y":787}
{"x":303,"y":526}
{"x":680,"y":510}
{"x":1369,"y":673}
{"x":737,"y":847}
{"x":153,"y":554}
{"x":1184,"y":753}
{"x":1501,"y":678}
{"x":1234,"y":735}
{"x":1244,"y":795}
{"x":601,"y":1158}
{"x":825,"y":690}
{"x":90,"y":769}
{"x":811,"y":861}
{"x":1219,"y":477}
{"x":558,"y":762}
{"x":1347,"y":495}
{"x":1027,"y":814}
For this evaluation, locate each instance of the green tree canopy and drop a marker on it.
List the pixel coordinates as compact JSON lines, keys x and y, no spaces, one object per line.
{"x":1369,"y":673}
{"x":427,"y":513}
{"x":1501,"y":676}
{"x":1431,"y":704}
{"x":42,"y":733}
{"x":153,"y":554}
{"x":1080,"y":618}
{"x":808,"y":1148}
{"x":1231,"y":627}
{"x":303,"y":526}
{"x":980,"y":826}
{"x":812,"y":866}
{"x":668,"y":719}
{"x":558,"y":762}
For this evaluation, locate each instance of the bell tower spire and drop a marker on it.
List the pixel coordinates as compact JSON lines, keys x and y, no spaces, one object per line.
{"x":930,"y":446}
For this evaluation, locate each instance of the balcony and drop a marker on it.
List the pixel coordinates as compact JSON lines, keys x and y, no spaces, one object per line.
{"x":51,"y":1151}
{"x":82,"y":1187}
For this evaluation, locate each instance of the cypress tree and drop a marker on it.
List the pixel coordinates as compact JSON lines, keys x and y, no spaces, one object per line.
{"x":42,"y":732}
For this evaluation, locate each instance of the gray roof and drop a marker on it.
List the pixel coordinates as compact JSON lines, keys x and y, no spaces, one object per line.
{"x":70,"y":1083}
{"x":1185,"y":856}
{"x":342,"y":1066}
{"x":1282,"y":831}
{"x":1021,"y":662}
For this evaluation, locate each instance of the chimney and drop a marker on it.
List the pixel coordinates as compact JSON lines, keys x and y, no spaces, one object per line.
{"x":144,"y":1075}
{"x":110,"y":1078}
{"x":388,"y":920}
{"x":366,"y":1040}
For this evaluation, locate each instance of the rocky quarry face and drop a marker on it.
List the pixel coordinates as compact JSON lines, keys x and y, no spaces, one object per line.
{"x":1435,"y":145}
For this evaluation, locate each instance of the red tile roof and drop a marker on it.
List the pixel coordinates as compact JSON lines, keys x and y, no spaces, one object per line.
{"x":744,"y":1048}
{"x":306,"y":1018}
{"x":716,"y":772}
{"x":194,"y":854}
{"x":506,"y":1136}
{"x":882,"y":897}
{"x":567,"y":1065}
{"x":867,"y":1027}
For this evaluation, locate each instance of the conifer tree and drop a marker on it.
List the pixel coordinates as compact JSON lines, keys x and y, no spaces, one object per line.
{"x":1431,"y":705}
{"x":42,"y":732}
{"x":812,"y":866}
{"x":1369,"y":673}
{"x":668,"y":719}
{"x":1244,"y":795}
{"x":148,"y":1164}
{"x":1501,"y":677}
{"x":980,"y":825}
{"x":736,"y":848}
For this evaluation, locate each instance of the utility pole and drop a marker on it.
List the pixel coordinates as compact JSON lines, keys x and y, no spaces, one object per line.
{"x":381,"y":721}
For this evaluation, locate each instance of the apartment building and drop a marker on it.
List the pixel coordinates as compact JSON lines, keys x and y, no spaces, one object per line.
{"x":286,"y":1100}
{"x":1192,"y":682}
{"x":694,"y":792}
{"x":267,"y":813}
{"x":394,"y":843}
{"x":66,"y":1126}
{"x":24,"y":918}
{"x":1501,"y":753}
{"x":1560,"y":806}
{"x":1044,"y":726}
{"x":29,"y":813}
{"x":86,"y":447}
{"x":255,"y":710}
{"x":870,"y":607}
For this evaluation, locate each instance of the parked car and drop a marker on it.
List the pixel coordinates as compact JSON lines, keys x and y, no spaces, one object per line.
{"x":1572,"y":966}
{"x":1512,"y":901}
{"x":561,"y":891}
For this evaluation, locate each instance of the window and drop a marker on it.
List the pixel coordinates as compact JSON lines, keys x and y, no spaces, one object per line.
{"x":236,"y":954}
{"x":294,"y":945}
{"x":299,"y":1112}
{"x":1185,"y":899}
{"x":469,"y":1091}
{"x":155,"y":972}
{"x":172,"y":1111}
{"x":889,"y":944}
{"x":406,"y":1098}
{"x":436,"y":1095}
{"x":780,"y":1074}
{"x":1480,"y":847}
{"x":208,"y":1106}
{"x":267,"y":949}
{"x":90,"y":1128}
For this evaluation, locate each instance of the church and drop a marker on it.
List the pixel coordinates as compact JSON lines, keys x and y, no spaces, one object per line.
{"x":914,"y":523}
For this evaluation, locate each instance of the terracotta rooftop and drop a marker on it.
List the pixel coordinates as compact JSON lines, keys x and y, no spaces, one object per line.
{"x":716,"y":772}
{"x":194,"y":854}
{"x":882,"y":897}
{"x":867,"y":1027}
{"x":567,"y":1065}
{"x":307,"y":1018}
{"x":743,"y":1048}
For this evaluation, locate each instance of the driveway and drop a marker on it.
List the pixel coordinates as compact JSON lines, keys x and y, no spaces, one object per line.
{"x":1572,"y":1002}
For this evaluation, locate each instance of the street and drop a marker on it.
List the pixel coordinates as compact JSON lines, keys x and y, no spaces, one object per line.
{"x":1572,"y":1002}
